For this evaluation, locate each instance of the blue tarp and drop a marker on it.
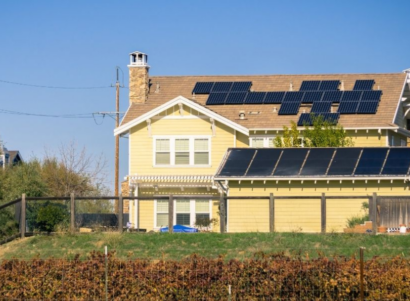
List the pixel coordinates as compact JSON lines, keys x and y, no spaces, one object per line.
{"x":179,"y":229}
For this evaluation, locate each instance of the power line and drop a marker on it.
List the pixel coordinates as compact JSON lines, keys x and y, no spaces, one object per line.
{"x":53,"y":87}
{"x":80,"y":115}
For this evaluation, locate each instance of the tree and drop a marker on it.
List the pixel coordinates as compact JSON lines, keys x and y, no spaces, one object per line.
{"x":321,"y":134}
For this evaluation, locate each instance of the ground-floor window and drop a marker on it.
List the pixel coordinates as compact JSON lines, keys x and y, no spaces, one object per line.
{"x":186,"y":212}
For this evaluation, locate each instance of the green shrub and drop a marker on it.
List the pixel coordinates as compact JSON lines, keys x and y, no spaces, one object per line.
{"x":51,"y":215}
{"x":359,"y":219}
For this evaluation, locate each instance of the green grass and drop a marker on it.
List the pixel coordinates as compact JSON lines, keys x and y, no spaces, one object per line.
{"x":178,"y":246}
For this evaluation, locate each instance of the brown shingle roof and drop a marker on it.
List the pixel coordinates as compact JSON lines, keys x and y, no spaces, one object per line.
{"x":172,"y":86}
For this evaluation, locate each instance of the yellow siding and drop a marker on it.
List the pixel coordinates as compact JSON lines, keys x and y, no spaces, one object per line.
{"x":302,"y":215}
{"x":242,"y":140}
{"x":215,"y":214}
{"x":146,"y":211}
{"x":141,"y":145}
{"x":297,"y":215}
{"x":248,"y":216}
{"x":338,"y":211}
{"x":370,"y":138}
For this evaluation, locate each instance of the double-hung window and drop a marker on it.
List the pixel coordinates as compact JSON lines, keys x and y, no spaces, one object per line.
{"x":183,"y":212}
{"x":262,"y":142}
{"x":162,"y":213}
{"x":182,"y":151}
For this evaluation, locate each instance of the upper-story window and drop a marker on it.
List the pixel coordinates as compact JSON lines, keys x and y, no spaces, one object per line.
{"x":182,"y":151}
{"x":262,"y":142}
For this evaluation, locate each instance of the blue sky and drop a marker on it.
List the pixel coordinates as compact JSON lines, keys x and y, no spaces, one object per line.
{"x":79,"y":43}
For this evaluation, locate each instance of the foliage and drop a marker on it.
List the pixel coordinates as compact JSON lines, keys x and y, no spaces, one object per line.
{"x":8,"y":224}
{"x":205,"y":223}
{"x":50,"y":215}
{"x":359,"y":219}
{"x":320,"y":134}
{"x":263,"y":277}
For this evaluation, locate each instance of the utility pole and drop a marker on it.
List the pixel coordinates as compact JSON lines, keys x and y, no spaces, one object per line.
{"x":117,"y":138}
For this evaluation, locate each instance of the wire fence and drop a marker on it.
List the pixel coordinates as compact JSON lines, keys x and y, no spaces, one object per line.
{"x":273,"y":276}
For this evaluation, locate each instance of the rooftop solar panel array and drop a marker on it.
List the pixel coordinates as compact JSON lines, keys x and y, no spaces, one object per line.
{"x":307,"y":120}
{"x":317,"y":162}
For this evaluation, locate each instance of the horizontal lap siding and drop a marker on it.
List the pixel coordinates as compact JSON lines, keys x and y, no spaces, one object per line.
{"x":215,"y":214}
{"x":248,"y":216}
{"x":146,"y":215}
{"x":369,"y":139}
{"x":338,"y":211}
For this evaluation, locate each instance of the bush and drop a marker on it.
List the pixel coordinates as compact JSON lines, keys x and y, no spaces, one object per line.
{"x":51,"y":215}
{"x":357,"y":219}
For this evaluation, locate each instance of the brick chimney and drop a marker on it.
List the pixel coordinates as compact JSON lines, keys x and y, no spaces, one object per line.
{"x":139,"y":79}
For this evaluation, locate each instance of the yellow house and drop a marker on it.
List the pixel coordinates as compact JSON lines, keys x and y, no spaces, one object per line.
{"x":180,"y":128}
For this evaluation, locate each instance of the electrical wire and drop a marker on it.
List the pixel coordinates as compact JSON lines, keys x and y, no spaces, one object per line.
{"x":53,"y":87}
{"x":82,"y":115}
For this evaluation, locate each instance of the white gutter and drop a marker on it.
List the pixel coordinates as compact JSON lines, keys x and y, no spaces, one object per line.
{"x":406,"y":178}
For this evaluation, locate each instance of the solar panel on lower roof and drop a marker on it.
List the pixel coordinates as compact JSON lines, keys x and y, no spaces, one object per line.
{"x":289,"y":108}
{"x":363,"y":84}
{"x":344,"y":162}
{"x":274,"y":97}
{"x":293,"y":96}
{"x":203,"y":87}
{"x":371,"y":161}
{"x":328,"y":85}
{"x":264,"y":162}
{"x":371,"y":95}
{"x":222,"y":87}
{"x":310,"y":85}
{"x":367,"y":107}
{"x":398,"y":161}
{"x":348,"y":107}
{"x":317,"y":162}
{"x":234,"y":98}
{"x":331,"y":117}
{"x":321,"y":107}
{"x":237,"y":162}
{"x":351,"y":96}
{"x":255,"y":97}
{"x":241,"y":86}
{"x":304,"y":119}
{"x":290,"y":162}
{"x":333,"y":96}
{"x":216,"y":98}
{"x":311,"y":97}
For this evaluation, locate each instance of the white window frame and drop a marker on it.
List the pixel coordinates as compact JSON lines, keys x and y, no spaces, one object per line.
{"x":403,"y":142}
{"x":265,"y":140}
{"x":191,"y":208}
{"x":191,"y":139}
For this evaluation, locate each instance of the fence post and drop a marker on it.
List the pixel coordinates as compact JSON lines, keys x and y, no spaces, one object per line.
{"x":120,"y":213}
{"x":72,"y":213}
{"x":171,"y":214}
{"x":23,"y":216}
{"x":271,"y":213}
{"x":222,"y":226}
{"x":361,"y":273}
{"x":323,"y":213}
{"x":374,"y":214}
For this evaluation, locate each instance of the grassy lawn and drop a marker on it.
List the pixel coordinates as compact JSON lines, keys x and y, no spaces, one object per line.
{"x":178,"y":246}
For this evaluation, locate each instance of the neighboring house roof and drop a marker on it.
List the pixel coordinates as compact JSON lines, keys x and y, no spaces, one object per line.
{"x":170,"y":87}
{"x":15,"y":156}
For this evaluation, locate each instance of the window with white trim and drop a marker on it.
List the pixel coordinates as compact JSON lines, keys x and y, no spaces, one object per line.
{"x":182,"y":151}
{"x":186,"y":212}
{"x":262,"y":142}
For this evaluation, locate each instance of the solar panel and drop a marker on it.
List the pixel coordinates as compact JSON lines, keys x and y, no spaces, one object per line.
{"x":371,"y":161}
{"x":216,"y":98}
{"x":344,"y":162}
{"x":321,"y":107}
{"x":317,"y":162}
{"x":241,"y":86}
{"x":293,"y":96}
{"x":237,"y":162}
{"x":264,"y":162}
{"x":235,"y":98}
{"x":363,"y":84}
{"x":203,"y":87}
{"x":398,"y":161}
{"x":222,"y":87}
{"x":367,"y":107}
{"x":255,"y":97}
{"x":351,"y":96}
{"x":289,"y":108}
{"x":371,"y":95}
{"x":274,"y":97}
{"x":333,"y":96}
{"x":311,"y":97}
{"x":311,"y":85}
{"x":348,"y":107}
{"x":304,"y":119}
{"x":290,"y":162}
{"x":330,"y":117}
{"x":327,"y":85}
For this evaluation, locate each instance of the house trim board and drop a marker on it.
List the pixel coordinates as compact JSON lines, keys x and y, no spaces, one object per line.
{"x":400,"y":99}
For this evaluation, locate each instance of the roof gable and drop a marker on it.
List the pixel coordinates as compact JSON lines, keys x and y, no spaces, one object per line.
{"x":171,"y":103}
